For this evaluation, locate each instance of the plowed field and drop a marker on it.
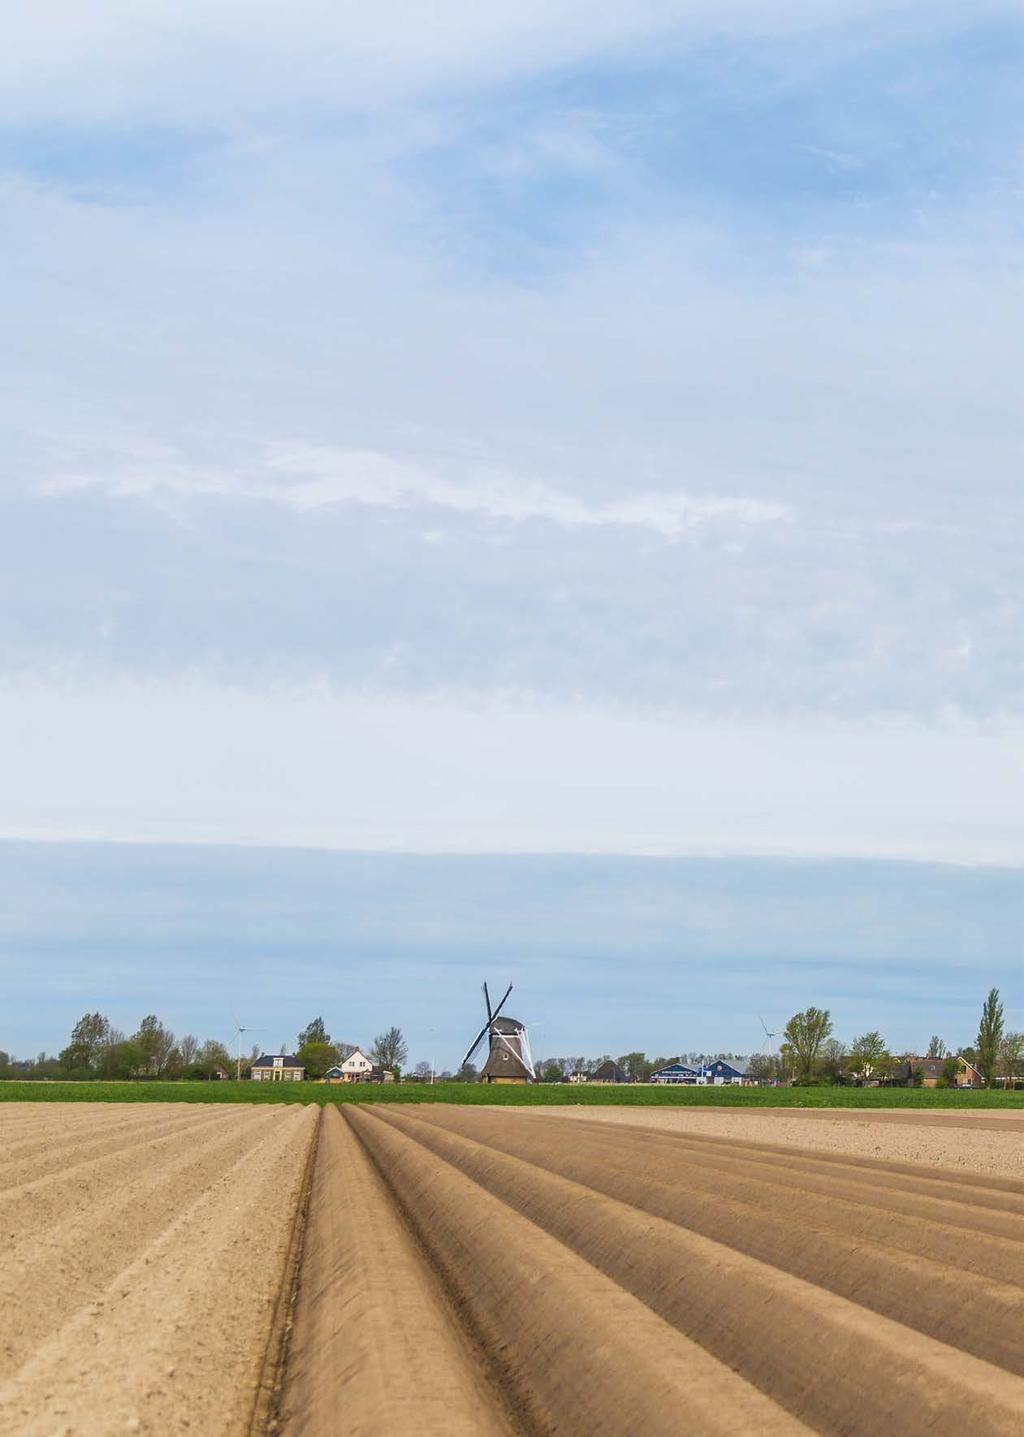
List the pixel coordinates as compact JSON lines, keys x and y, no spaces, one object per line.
{"x":469,"y":1271}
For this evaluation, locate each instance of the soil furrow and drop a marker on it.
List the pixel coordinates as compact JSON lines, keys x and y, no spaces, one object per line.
{"x":89,"y":1240}
{"x":583,"y":1355}
{"x":173,"y":1345}
{"x":720,"y":1298}
{"x":847,"y":1250}
{"x":375,"y":1344}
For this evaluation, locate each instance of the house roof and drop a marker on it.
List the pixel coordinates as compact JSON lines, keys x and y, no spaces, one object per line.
{"x":277,"y":1060}
{"x":609,"y":1071}
{"x":676,"y":1068}
{"x":723,"y":1065}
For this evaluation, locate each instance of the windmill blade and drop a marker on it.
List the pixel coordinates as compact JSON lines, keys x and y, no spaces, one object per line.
{"x":501,"y":1005}
{"x":487,"y":1000}
{"x":476,"y":1042}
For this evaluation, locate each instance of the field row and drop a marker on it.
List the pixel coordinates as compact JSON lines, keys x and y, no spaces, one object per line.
{"x":488,"y":1272}
{"x":142,"y":1259}
{"x":474,"y":1272}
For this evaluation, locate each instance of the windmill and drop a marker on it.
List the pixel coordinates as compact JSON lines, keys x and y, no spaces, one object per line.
{"x":239,"y":1030}
{"x":509,"y":1059}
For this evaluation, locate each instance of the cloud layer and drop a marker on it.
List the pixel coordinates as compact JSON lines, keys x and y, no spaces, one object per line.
{"x":656,"y":362}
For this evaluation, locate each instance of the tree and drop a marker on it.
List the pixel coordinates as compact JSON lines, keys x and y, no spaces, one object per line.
{"x":424,"y":1071}
{"x":188,"y":1049}
{"x":764,"y":1067}
{"x":389,"y":1049}
{"x":1011,"y":1056}
{"x":5,"y":1066}
{"x":990,"y":1036}
{"x":635,"y":1066}
{"x":936,"y":1047}
{"x":315,"y":1032}
{"x":551,"y":1071}
{"x":155,"y":1044}
{"x":467,"y":1074}
{"x":213,"y":1057}
{"x":316,"y":1057}
{"x":866,"y":1054}
{"x":833,"y":1059}
{"x":88,"y":1038}
{"x":805,"y":1035}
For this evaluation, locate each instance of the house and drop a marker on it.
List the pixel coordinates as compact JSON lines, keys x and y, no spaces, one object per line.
{"x":277,"y":1068}
{"x":674,"y":1073}
{"x":579,"y":1075}
{"x":932,"y":1069}
{"x":720,"y":1072}
{"x":608,"y":1072}
{"x":967,"y":1075}
{"x":356,"y":1068}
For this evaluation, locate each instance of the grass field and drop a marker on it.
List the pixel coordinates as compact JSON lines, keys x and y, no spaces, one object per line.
{"x":511,"y":1096}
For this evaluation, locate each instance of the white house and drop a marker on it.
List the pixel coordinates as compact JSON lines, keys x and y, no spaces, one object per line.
{"x":356,"y":1068}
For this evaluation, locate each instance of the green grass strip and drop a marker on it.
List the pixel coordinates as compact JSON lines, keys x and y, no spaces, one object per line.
{"x":511,"y":1096}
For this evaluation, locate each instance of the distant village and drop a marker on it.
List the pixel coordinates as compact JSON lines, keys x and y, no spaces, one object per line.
{"x":808,"y":1054}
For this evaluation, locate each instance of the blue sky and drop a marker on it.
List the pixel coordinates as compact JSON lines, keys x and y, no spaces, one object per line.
{"x":540,"y":430}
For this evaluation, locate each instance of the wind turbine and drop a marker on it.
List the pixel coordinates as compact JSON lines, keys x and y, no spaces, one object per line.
{"x":239,"y":1030}
{"x":771,"y":1046}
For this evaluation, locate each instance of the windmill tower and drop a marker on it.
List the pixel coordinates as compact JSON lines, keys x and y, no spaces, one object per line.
{"x":509,"y":1059}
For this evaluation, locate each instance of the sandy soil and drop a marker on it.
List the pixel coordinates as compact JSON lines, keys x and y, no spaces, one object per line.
{"x":989,"y":1142}
{"x":142,"y":1254}
{"x":486,"y":1272}
{"x":611,"y":1277}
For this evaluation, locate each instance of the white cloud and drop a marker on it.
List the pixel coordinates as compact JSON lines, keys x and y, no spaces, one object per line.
{"x":307,"y":478}
{"x":199,"y":763}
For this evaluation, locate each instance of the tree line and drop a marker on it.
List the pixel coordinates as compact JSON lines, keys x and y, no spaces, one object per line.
{"x":98,"y":1050}
{"x":810,"y":1053}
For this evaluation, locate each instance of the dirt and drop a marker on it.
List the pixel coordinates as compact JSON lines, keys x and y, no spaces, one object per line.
{"x":483,"y":1272}
{"x":142,"y":1253}
{"x":984,"y":1142}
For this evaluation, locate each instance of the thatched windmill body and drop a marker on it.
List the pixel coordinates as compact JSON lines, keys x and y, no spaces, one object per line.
{"x":509,"y":1059}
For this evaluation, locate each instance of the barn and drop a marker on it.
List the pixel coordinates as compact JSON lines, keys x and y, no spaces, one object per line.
{"x":674,"y":1073}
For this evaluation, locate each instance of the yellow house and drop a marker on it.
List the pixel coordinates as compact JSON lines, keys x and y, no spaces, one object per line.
{"x":277,"y":1068}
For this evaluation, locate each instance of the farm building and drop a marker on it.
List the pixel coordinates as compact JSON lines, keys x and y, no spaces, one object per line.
{"x":674,"y":1073}
{"x":277,"y":1068}
{"x":720,"y":1072}
{"x":608,"y":1072}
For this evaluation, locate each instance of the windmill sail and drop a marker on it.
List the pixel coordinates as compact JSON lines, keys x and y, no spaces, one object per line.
{"x":509,"y":1059}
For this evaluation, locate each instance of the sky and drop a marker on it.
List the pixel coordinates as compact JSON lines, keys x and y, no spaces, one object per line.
{"x":570,"y":450}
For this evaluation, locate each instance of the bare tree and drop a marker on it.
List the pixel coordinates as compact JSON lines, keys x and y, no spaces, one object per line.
{"x":389,"y":1049}
{"x":423,"y":1070}
{"x":188,"y":1047}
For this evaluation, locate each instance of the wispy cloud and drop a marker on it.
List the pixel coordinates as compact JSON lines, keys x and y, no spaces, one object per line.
{"x":306,"y":478}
